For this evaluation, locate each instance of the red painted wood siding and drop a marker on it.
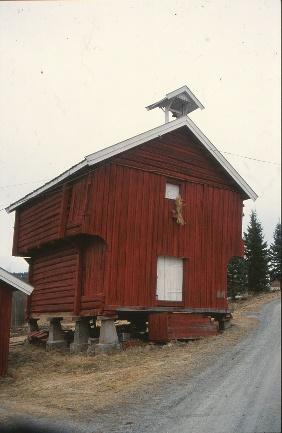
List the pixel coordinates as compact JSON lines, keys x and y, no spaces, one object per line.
{"x":94,"y":255}
{"x":51,"y":217}
{"x":54,"y":276}
{"x":137,"y":224}
{"x":123,"y":202}
{"x":39,"y":223}
{"x":178,"y":155}
{"x":76,"y":210}
{"x":165,"y":327}
{"x":5,"y":321}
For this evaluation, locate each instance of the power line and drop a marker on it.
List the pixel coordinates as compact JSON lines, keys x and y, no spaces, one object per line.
{"x":57,"y":188}
{"x":220,"y":151}
{"x":21,"y":184}
{"x":217,"y":150}
{"x":79,"y":176}
{"x":252,"y":159}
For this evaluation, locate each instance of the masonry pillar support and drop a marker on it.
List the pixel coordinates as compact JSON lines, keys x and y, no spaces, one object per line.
{"x":81,"y":335}
{"x":56,"y":338}
{"x":108,"y":340}
{"x":32,"y":325}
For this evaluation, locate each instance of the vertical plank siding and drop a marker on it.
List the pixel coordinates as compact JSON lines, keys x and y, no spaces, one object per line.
{"x":177,"y":155}
{"x":121,"y":207}
{"x":165,"y":327}
{"x":5,"y":322}
{"x":77,"y":206}
{"x":93,"y":270}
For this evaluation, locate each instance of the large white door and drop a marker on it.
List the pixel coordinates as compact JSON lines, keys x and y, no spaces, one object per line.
{"x":169,"y":279}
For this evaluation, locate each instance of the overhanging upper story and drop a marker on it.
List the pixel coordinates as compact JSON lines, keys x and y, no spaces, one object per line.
{"x":177,"y":150}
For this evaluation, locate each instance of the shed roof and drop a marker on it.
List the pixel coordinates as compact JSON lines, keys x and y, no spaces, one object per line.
{"x":135,"y":141}
{"x":14,"y":282}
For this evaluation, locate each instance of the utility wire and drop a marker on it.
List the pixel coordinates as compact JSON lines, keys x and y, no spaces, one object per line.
{"x":217,"y":150}
{"x":21,"y":184}
{"x":221,"y":151}
{"x":252,"y":159}
{"x":79,"y":176}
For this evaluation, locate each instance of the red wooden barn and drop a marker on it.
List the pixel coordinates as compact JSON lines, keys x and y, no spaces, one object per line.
{"x":144,"y":227}
{"x":8,"y":283}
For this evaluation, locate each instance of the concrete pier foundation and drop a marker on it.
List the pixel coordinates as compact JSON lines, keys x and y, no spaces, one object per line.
{"x":108,"y":340}
{"x":56,"y":338}
{"x":81,"y":335}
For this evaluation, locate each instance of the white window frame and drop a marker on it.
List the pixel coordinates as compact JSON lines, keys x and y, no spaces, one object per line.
{"x":172,"y":190}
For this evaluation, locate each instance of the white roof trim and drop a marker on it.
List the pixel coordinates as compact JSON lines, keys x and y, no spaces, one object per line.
{"x":47,"y":185}
{"x":15,"y":282}
{"x":222,"y":160}
{"x":111,"y":151}
{"x":96,"y":157}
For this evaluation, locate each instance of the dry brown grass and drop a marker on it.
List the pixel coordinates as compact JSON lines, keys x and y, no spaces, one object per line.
{"x":51,"y":384}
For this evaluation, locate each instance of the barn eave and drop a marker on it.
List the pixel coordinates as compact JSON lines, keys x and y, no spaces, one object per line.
{"x":48,"y":185}
{"x":118,"y":148}
{"x":109,"y":152}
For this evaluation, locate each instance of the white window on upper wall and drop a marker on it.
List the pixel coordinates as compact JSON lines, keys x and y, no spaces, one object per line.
{"x":171,"y":191}
{"x":169,"y":279}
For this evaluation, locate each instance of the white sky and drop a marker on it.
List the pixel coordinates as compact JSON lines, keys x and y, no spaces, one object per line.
{"x":75,"y":77}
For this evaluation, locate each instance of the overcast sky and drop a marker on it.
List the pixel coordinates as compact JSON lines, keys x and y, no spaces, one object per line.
{"x":76,"y":77}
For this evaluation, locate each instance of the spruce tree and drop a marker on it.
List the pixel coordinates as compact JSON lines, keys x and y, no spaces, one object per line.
{"x":236,"y":276}
{"x":275,"y":254}
{"x":256,"y":254}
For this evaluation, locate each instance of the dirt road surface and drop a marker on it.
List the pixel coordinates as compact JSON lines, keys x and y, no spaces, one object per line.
{"x":239,"y":392}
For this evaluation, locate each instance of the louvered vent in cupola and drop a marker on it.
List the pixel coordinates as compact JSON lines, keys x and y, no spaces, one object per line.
{"x":179,"y":103}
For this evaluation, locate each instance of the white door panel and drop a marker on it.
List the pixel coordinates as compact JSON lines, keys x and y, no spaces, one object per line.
{"x":169,"y":279}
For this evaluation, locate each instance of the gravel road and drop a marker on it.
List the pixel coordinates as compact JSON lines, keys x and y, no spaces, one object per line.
{"x":239,"y":393}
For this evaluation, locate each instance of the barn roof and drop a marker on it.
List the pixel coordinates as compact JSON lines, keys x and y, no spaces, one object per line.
{"x":14,"y":282}
{"x":118,"y":148}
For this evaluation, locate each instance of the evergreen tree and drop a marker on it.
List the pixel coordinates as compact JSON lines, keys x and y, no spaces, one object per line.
{"x":275,"y":254}
{"x":236,"y":276}
{"x":256,"y":254}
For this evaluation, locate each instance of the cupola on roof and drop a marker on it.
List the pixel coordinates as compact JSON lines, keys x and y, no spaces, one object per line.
{"x":180,"y":102}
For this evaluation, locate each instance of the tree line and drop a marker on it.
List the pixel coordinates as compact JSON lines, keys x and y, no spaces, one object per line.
{"x":261,"y":263}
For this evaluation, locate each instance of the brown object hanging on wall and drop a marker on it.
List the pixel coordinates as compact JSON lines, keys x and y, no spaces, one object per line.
{"x":177,"y":212}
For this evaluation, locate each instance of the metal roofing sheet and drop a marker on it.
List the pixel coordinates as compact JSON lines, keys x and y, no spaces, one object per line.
{"x":14,"y":282}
